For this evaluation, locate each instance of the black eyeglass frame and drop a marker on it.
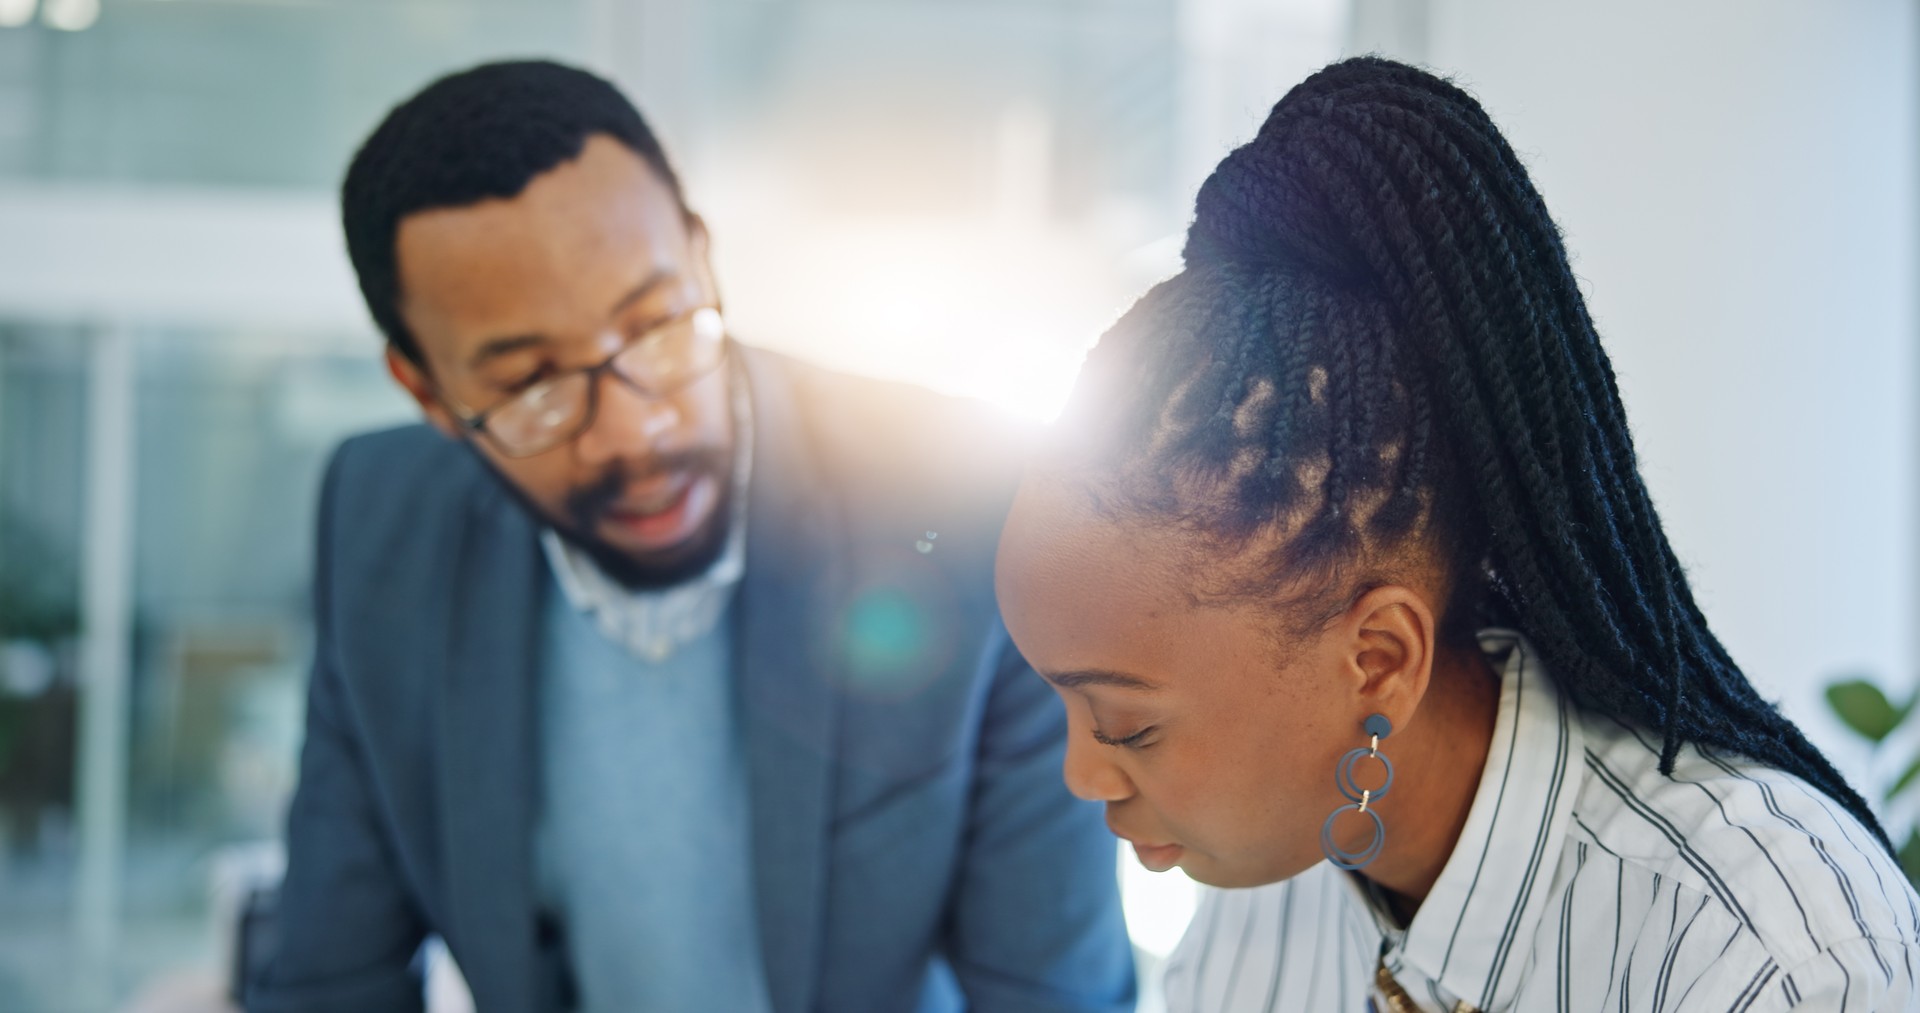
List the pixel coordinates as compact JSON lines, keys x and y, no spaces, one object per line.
{"x":475,"y":422}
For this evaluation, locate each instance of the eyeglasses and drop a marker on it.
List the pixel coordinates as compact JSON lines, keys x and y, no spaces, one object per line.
{"x":554,"y":411}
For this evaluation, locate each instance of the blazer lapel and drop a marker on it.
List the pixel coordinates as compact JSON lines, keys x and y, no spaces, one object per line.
{"x":795,"y":568}
{"x":489,"y":777}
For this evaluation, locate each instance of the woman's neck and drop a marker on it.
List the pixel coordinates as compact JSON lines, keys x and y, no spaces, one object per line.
{"x":1438,"y":760}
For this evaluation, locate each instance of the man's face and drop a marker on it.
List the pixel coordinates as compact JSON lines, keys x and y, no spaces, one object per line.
{"x":504,"y":294}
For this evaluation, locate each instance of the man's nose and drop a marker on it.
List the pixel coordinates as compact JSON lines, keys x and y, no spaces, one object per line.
{"x":625,"y":421}
{"x":1090,"y":772}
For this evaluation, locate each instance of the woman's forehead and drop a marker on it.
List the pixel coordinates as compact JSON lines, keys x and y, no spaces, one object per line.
{"x":1082,"y":588}
{"x":1058,"y":537}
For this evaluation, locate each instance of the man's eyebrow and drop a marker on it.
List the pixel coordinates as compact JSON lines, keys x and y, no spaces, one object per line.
{"x":1098,"y":677}
{"x":498,"y":347}
{"x":659,"y":277}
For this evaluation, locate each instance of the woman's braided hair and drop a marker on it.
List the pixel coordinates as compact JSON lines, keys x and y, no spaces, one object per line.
{"x":1377,"y":344}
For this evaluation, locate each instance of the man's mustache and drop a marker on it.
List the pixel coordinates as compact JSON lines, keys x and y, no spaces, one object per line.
{"x":585,"y":506}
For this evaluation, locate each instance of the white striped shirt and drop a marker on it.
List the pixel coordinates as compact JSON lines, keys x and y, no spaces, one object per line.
{"x":1586,"y":880}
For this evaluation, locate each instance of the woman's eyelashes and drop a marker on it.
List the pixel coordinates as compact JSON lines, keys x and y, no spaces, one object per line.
{"x":1137,"y":740}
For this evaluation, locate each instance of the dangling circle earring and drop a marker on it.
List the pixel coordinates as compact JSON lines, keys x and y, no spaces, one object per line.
{"x":1379,"y":728}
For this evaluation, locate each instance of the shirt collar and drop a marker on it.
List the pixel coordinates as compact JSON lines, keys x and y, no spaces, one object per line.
{"x":1469,"y":936}
{"x":653,"y":624}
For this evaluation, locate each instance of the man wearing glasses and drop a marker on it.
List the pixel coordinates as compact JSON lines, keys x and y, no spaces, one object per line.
{"x":658,"y":673}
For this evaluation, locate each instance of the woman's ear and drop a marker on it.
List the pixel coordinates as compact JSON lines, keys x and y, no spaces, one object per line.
{"x":1387,"y":637}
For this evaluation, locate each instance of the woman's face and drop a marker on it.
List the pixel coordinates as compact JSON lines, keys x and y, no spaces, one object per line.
{"x":1211,"y":740}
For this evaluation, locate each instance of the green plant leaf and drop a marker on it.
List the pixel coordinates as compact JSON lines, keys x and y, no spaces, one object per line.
{"x":1864,"y":708}
{"x":1909,"y":855}
{"x":1906,"y":778}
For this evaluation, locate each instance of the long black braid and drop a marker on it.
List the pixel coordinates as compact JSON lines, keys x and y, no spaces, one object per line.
{"x":1377,"y":343}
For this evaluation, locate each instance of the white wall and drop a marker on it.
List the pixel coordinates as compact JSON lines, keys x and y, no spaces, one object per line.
{"x":1737,"y":180}
{"x":176,"y":256}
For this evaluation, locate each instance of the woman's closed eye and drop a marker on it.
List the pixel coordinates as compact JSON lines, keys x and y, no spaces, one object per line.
{"x":1137,"y":740}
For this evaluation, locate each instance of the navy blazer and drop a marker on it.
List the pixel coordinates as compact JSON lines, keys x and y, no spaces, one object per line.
{"x":913,"y":846}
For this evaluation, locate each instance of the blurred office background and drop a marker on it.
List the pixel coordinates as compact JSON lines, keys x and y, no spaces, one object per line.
{"x":958,"y":192}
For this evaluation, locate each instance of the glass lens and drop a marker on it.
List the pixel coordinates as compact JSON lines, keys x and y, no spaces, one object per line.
{"x":674,"y":353}
{"x":544,"y":413}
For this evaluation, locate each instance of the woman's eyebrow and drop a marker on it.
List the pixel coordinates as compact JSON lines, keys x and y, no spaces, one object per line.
{"x":1098,"y":677}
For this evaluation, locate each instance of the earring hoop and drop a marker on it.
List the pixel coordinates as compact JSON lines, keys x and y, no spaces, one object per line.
{"x":1377,"y":727}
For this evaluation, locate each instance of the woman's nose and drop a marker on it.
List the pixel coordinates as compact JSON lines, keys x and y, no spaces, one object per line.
{"x":1090,"y":772}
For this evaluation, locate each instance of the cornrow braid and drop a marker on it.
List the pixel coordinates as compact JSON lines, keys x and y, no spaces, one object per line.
{"x":1377,"y":344}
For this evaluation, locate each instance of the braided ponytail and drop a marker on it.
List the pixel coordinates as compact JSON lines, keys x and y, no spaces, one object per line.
{"x":1377,"y":343}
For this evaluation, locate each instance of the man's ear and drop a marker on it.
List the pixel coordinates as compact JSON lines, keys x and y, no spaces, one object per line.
{"x":413,"y":380}
{"x":699,"y":246}
{"x":1387,"y":637}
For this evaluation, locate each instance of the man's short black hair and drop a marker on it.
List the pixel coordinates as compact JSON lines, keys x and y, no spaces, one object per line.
{"x":478,"y":134}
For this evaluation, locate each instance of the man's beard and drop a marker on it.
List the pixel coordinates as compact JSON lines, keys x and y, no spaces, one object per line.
{"x":586,"y":507}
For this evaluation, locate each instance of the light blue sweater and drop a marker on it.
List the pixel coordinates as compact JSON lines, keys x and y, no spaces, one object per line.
{"x":643,"y":843}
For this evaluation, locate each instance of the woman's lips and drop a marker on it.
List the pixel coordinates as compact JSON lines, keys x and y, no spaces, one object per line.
{"x":1157,"y":857}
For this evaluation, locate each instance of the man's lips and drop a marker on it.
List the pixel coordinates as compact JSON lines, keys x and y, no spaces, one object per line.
{"x":651,"y":495}
{"x":662,"y":512}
